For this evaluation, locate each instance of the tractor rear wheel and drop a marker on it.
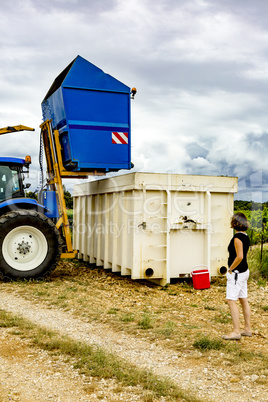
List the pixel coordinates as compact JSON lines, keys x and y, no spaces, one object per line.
{"x":30,"y":245}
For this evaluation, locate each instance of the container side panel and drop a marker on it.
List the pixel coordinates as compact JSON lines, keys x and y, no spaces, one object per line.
{"x":120,"y":243}
{"x":159,"y":232}
{"x":188,"y":206}
{"x":94,"y":225}
{"x":111,"y":232}
{"x":53,"y":108}
{"x":83,"y":227}
{"x":128,"y":227}
{"x":102,"y":228}
{"x":115,"y":230}
{"x":108,"y":245}
{"x":99,"y":230}
{"x":86,"y":228}
{"x":188,"y":251}
{"x":221,"y":212}
{"x":76,"y":236}
{"x":79,"y":212}
{"x":150,"y":251}
{"x":96,"y":108}
{"x":121,"y":232}
{"x":188,"y":221}
{"x":91,"y":222}
{"x":93,"y":149}
{"x":93,"y":118}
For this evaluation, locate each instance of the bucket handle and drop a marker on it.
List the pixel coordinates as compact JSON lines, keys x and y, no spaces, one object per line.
{"x":201,"y":266}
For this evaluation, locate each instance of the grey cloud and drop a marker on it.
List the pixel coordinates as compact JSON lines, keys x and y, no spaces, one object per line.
{"x":195,"y":150}
{"x":248,"y":9}
{"x":199,"y":77}
{"x":78,"y":6}
{"x":257,"y":143}
{"x":153,"y":48}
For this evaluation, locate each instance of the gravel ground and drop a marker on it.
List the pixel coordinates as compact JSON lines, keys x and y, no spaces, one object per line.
{"x":38,"y":378}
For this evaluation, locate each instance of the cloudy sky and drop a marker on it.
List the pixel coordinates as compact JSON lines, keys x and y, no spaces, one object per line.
{"x":200,"y":68}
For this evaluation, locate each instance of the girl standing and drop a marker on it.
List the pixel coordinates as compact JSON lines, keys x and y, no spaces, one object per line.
{"x":237,"y":276}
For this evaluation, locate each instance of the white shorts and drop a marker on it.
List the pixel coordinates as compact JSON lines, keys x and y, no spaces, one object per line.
{"x":237,"y":289}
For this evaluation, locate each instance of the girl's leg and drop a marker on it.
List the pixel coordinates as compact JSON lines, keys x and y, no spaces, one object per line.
{"x":246,"y":313}
{"x":235,"y":315}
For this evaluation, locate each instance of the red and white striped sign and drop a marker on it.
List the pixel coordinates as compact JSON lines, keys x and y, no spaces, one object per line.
{"x":119,"y":138}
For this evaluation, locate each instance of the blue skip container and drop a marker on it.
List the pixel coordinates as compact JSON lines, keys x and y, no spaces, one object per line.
{"x":91,"y":110}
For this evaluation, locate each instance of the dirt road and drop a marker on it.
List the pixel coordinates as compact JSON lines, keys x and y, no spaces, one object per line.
{"x":29,"y":374}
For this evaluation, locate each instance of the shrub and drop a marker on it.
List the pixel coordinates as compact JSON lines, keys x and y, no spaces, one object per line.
{"x":206,"y":343}
{"x":264,"y":265}
{"x":145,"y":322}
{"x":168,"y":329}
{"x":127,"y":318}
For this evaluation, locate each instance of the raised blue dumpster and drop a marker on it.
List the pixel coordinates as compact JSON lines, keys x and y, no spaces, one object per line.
{"x":91,"y":110}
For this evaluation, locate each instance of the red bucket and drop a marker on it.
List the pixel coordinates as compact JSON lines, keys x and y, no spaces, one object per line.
{"x":201,"y":279}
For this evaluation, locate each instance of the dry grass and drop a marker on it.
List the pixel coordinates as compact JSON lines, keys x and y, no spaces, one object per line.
{"x":175,"y":316}
{"x":95,"y":361}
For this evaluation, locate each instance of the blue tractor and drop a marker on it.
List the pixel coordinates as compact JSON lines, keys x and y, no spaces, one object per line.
{"x":30,"y":243}
{"x":86,"y":131}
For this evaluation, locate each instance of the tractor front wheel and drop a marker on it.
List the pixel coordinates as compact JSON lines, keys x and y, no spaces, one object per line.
{"x":30,"y":245}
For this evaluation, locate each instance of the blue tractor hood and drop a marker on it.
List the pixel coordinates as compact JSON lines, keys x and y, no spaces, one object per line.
{"x":21,"y":203}
{"x":91,"y":110}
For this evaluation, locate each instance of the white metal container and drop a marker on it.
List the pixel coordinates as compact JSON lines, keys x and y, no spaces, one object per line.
{"x":154,"y":226}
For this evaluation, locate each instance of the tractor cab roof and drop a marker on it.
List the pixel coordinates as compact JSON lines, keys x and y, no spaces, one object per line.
{"x":11,"y":161}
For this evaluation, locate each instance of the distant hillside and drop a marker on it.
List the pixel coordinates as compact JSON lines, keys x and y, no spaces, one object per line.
{"x":257,"y":215}
{"x":240,"y":205}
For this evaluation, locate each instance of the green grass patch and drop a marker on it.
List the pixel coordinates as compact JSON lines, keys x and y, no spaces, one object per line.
{"x":146,"y":322}
{"x":63,"y":296}
{"x":258,"y":267}
{"x":206,"y":343}
{"x":223,"y":318}
{"x":42,"y":293}
{"x":261,"y":282}
{"x":128,"y":317}
{"x":190,"y":326}
{"x":168,"y":329}
{"x":113,"y":310}
{"x":72,"y":289}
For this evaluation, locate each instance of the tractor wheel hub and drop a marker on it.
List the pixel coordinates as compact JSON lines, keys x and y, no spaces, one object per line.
{"x":23,"y":247}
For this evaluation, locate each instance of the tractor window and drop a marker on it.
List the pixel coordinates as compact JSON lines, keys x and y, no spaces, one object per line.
{"x":15,"y":179}
{"x":9,"y":183}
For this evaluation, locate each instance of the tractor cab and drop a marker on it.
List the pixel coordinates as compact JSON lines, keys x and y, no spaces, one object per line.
{"x":11,"y":177}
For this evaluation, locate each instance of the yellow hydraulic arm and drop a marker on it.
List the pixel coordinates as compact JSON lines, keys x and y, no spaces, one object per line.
{"x":14,"y":129}
{"x":54,"y":179}
{"x":55,"y":173}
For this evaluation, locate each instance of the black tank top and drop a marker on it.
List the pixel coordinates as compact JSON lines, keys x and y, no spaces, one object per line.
{"x":243,"y":266}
